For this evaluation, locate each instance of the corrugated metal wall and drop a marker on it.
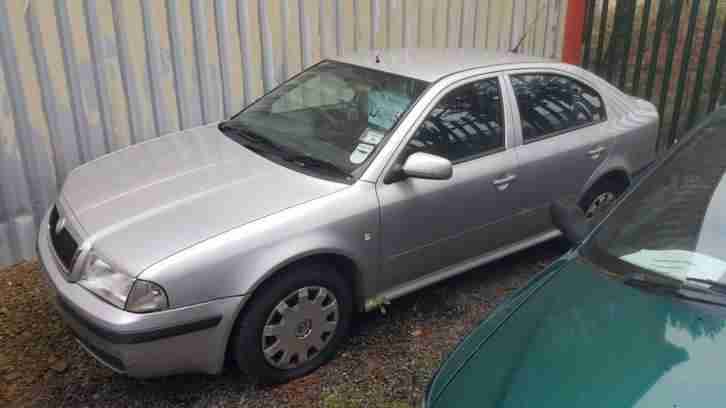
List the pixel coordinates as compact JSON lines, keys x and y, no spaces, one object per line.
{"x":81,"y":78}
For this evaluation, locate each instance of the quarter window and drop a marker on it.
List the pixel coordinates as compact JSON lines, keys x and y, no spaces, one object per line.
{"x":550,"y":104}
{"x":466,"y":123}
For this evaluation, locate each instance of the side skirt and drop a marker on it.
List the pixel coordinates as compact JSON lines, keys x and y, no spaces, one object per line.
{"x":446,"y":273}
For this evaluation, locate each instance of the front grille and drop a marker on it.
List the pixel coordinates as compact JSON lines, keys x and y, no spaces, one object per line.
{"x":64,"y":244}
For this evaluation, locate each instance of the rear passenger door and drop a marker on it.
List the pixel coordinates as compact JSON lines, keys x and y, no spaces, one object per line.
{"x":564,"y":138}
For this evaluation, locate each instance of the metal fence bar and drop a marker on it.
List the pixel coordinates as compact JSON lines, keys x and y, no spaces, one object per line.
{"x":655,"y":50}
{"x":683,"y":76}
{"x":718,"y":73}
{"x":603,"y":28}
{"x":674,"y":31}
{"x":589,"y":18}
{"x":642,"y":39}
{"x":703,"y":61}
{"x":626,"y":48}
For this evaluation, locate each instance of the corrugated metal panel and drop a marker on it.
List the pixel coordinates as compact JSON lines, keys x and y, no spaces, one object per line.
{"x":79,"y":79}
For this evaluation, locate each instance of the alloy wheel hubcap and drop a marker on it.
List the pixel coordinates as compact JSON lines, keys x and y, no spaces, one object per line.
{"x":599,"y":204}
{"x":300,"y":327}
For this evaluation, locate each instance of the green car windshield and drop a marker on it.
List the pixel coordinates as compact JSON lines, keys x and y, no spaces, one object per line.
{"x":673,"y":225}
{"x":333,"y":116}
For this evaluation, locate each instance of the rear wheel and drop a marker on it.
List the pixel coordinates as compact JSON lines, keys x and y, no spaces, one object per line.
{"x":601,"y":197}
{"x":294,"y":324}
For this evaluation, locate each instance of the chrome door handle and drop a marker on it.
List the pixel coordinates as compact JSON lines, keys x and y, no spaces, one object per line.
{"x":596,"y":152}
{"x":504,"y":182}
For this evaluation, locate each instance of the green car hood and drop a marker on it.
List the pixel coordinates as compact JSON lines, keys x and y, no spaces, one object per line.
{"x":574,"y":337}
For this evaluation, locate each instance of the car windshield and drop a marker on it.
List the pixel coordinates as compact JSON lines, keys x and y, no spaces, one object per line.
{"x":673,"y":225}
{"x":328,"y":120}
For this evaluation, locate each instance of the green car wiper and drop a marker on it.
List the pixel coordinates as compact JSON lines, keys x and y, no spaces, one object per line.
{"x":713,"y":285}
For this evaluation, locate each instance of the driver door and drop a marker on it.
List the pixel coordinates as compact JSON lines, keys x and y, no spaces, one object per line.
{"x":428,"y":225}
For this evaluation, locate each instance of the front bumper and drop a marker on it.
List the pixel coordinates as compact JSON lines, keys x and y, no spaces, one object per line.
{"x":186,"y":339}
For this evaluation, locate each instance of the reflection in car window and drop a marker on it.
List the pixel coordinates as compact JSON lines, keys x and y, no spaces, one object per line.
{"x":466,"y":123}
{"x":550,"y":103}
{"x":674,"y":223}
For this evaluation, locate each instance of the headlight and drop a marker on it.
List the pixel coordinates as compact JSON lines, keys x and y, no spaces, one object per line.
{"x":146,"y":297}
{"x":120,"y":289}
{"x":101,"y":279}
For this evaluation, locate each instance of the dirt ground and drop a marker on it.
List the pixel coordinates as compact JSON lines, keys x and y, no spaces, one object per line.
{"x":387,"y":362}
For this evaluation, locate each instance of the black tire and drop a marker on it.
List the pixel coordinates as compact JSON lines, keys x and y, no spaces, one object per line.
{"x":246,"y":341}
{"x":597,"y":190}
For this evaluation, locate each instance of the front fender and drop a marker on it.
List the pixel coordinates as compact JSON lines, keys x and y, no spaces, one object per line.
{"x":237,"y":262}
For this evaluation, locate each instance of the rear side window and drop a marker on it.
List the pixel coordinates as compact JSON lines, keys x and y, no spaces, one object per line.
{"x":551,"y":104}
{"x":467,"y":123}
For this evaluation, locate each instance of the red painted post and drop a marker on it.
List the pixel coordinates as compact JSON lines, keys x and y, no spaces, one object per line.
{"x":574,"y":25}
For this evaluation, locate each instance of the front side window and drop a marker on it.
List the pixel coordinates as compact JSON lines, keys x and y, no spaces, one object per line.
{"x":466,"y":123}
{"x":550,"y":104}
{"x":329,"y":120}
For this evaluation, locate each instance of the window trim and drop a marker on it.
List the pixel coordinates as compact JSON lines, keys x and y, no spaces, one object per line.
{"x":507,"y":108}
{"x":555,"y":72}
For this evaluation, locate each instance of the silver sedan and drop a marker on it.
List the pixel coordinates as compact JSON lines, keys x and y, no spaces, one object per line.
{"x":362,"y":179}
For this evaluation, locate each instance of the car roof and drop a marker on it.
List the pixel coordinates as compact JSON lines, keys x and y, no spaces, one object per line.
{"x":431,"y":64}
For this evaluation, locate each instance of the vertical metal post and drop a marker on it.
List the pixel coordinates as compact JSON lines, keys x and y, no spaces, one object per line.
{"x":603,"y":31}
{"x":643,"y":37}
{"x":702,"y":62}
{"x":655,"y":50}
{"x":674,"y":29}
{"x":718,"y":73}
{"x":683,"y":75}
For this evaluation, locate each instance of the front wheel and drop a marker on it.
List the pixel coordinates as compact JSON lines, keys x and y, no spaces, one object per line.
{"x":294,"y":324}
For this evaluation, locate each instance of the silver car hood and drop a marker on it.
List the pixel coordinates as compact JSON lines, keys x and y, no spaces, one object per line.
{"x":144,"y":203}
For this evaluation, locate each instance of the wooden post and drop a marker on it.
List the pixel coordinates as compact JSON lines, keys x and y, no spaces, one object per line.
{"x":574,"y":25}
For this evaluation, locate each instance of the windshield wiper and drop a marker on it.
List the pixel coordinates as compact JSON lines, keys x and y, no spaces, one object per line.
{"x":250,"y":139}
{"x":307,"y":161}
{"x":710,"y":284}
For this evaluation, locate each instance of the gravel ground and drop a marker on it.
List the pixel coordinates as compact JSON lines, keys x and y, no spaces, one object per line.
{"x":387,"y":361}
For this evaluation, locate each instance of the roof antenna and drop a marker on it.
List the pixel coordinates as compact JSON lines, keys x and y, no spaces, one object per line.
{"x":529,"y":28}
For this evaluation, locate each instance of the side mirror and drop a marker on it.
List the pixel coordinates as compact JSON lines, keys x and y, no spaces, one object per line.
{"x":571,"y":221}
{"x":427,"y":166}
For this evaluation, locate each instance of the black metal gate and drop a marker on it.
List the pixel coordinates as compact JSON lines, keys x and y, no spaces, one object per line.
{"x":670,"y":52}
